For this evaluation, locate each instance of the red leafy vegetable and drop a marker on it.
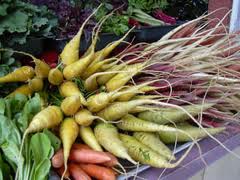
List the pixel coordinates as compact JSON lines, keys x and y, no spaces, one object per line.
{"x":159,"y":14}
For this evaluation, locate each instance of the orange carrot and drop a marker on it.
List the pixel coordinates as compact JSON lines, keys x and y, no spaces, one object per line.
{"x":80,"y":146}
{"x":98,"y":172}
{"x":60,"y":172}
{"x":88,"y":156}
{"x":112,"y":162}
{"x":77,"y":173}
{"x":57,"y":159}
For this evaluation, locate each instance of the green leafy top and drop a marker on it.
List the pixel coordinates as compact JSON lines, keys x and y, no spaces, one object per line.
{"x":15,"y":114}
{"x":116,"y":23}
{"x":18,"y":20}
{"x":148,"y":5}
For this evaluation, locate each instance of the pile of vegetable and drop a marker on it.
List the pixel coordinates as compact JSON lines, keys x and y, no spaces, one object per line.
{"x":128,"y":13}
{"x":21,"y":20}
{"x":128,"y":106}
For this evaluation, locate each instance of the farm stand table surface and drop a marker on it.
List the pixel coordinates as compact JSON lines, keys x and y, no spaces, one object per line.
{"x":211,"y":151}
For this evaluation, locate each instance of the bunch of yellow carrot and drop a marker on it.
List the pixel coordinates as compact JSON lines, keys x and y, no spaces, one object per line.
{"x":128,"y":112}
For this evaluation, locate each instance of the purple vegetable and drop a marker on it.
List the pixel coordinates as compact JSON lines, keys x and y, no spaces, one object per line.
{"x":70,"y":17}
{"x":159,"y":14}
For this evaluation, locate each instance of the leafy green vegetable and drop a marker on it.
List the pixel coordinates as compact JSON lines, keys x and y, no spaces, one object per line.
{"x":143,"y":17}
{"x":42,"y":170}
{"x":30,"y":108}
{"x":4,"y":169}
{"x":7,"y":65}
{"x":15,"y":104}
{"x":148,"y":5}
{"x":19,"y":20}
{"x":42,"y":151}
{"x":3,"y":9}
{"x":2,"y":106}
{"x":34,"y":163}
{"x":117,"y":23}
{"x":14,"y":22}
{"x":55,"y":141}
{"x":40,"y":146}
{"x":10,"y":140}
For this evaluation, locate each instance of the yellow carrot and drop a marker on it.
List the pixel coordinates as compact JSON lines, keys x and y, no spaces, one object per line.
{"x":117,"y":110}
{"x":90,"y":84}
{"x":70,"y":53}
{"x":88,"y":137}
{"x":146,"y":155}
{"x":104,"y":78}
{"x":55,"y":76}
{"x":21,"y":74}
{"x":99,"y":101}
{"x":102,"y":54}
{"x":41,"y":68}
{"x":169,"y":115}
{"x":36,"y":84}
{"x":195,"y":132}
{"x":69,"y":88}
{"x":70,"y":105}
{"x":122,"y":78}
{"x":152,"y":140}
{"x":68,"y":133}
{"x":96,"y":67}
{"x":107,"y":135}
{"x":133,"y":91}
{"x":77,"y":68}
{"x":49,"y":117}
{"x":85,"y":117}
{"x":24,"y":89}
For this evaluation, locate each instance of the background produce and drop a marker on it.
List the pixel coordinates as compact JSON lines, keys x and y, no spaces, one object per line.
{"x":21,"y":20}
{"x":139,"y":13}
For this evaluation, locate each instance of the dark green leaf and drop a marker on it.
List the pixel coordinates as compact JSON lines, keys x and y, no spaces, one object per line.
{"x":4,"y":69}
{"x":32,"y":107}
{"x":42,"y":169}
{"x":1,"y":174}
{"x":38,"y":22}
{"x":11,"y":152}
{"x":16,"y":103}
{"x":7,"y":54}
{"x":4,"y":169}
{"x":20,"y":19}
{"x":40,"y":146}
{"x":14,"y":22}
{"x":19,"y":38}
{"x":55,"y":141}
{"x":3,"y":9}
{"x":2,"y":106}
{"x":8,"y":131}
{"x":10,"y":61}
{"x":148,"y":5}
{"x":109,"y":6}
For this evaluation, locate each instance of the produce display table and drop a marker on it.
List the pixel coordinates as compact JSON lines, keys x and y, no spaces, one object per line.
{"x":211,"y":151}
